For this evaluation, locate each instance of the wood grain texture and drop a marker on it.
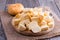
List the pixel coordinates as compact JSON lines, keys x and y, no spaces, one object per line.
{"x":2,"y":35}
{"x":57,"y":3}
{"x":2,"y":4}
{"x":29,"y":3}
{"x":26,"y":3}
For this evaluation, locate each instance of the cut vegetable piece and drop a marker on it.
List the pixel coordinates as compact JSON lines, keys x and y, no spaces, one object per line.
{"x":46,"y":13}
{"x":48,"y":19}
{"x":21,"y":27}
{"x":44,"y":27}
{"x":43,"y":22}
{"x":34,"y":27}
{"x":51,"y":24}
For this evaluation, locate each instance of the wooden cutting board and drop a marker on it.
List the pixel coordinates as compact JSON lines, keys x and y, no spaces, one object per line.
{"x":11,"y":34}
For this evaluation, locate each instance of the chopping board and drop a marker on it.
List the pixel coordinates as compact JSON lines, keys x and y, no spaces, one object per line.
{"x":11,"y":34}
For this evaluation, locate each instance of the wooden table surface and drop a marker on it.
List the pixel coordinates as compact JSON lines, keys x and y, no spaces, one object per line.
{"x":53,"y":4}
